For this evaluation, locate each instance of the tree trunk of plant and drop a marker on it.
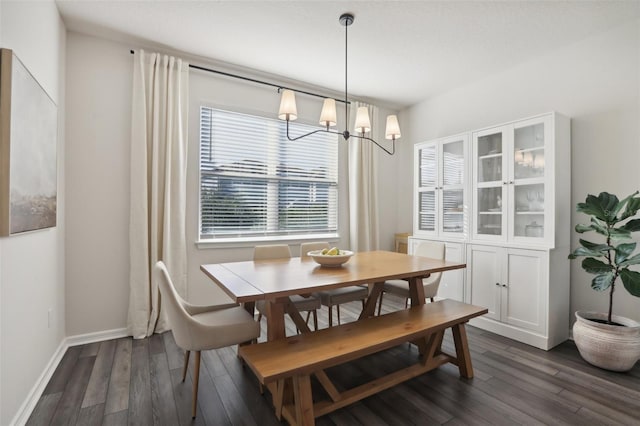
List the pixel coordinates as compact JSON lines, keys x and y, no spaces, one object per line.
{"x":613,"y":287}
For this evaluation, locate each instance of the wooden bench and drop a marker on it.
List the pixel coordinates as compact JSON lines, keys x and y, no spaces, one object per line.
{"x":286,"y":365}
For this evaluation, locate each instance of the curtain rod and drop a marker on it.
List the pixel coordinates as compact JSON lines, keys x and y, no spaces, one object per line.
{"x":253,"y":80}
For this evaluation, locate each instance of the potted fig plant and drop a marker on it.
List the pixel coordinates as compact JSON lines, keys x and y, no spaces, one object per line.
{"x":606,"y":340}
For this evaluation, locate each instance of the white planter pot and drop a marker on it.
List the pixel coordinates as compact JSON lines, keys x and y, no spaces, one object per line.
{"x":612,"y":347}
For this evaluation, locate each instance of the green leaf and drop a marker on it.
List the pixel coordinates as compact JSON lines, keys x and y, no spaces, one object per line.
{"x":633,"y":260}
{"x":602,"y":207}
{"x":623,"y":251}
{"x":631,"y":281}
{"x":633,"y":205}
{"x":594,"y":266}
{"x":619,"y":234}
{"x":599,"y":227}
{"x":602,"y":282}
{"x":618,"y":207}
{"x":595,"y":246}
{"x":632,"y":226}
{"x":580,"y":228}
{"x":581,"y":251}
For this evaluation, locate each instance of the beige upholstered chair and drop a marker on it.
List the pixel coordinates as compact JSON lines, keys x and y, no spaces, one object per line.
{"x":432,"y":249}
{"x":337,"y":296}
{"x":199,"y":328}
{"x":310,"y":304}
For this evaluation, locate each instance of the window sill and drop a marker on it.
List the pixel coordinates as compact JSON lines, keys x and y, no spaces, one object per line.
{"x":219,"y":243}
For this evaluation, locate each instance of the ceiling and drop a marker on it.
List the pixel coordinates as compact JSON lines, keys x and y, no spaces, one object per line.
{"x":400,"y":52}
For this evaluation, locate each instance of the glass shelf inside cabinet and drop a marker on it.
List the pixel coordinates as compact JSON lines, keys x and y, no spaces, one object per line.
{"x":529,"y":218}
{"x":489,"y":220}
{"x":490,"y":158}
{"x":529,"y":152}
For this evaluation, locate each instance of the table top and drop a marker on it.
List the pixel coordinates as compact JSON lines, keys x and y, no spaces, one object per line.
{"x":269,"y":279}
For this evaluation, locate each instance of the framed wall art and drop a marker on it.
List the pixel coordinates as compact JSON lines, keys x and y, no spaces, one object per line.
{"x":28,"y":146}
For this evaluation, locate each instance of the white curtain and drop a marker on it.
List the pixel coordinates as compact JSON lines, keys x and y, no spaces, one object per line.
{"x":158,"y":185}
{"x":363,"y":187}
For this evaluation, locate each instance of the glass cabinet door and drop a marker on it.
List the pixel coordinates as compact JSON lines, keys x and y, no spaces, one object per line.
{"x":510,"y":182}
{"x":452,"y":188}
{"x":427,"y":185}
{"x":528,"y":180}
{"x":490,"y":183}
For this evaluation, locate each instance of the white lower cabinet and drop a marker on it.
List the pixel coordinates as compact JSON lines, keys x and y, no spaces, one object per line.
{"x":452,"y":282}
{"x":514,"y":285}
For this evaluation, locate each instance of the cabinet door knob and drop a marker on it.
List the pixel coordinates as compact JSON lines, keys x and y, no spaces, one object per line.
{"x":504,"y":183}
{"x":498,"y":284}
{"x":505,"y":285}
{"x":511,"y":182}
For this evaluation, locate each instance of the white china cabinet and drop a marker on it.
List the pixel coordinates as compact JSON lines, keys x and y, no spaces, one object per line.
{"x":517,"y":214}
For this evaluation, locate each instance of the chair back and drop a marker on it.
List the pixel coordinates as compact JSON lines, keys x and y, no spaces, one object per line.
{"x":177,"y":316}
{"x":307,"y":247}
{"x":274,"y":251}
{"x":434,"y":250}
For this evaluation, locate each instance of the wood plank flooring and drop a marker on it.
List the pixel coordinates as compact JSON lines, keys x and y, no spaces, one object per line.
{"x":138,"y":382}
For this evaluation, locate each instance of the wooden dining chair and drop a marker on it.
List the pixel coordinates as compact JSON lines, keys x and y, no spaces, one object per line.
{"x":310,"y":304}
{"x":432,"y":249}
{"x":200,"y":328}
{"x":337,"y":296}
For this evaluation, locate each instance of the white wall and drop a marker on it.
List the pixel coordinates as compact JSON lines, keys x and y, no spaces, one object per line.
{"x":596,"y":82}
{"x":32,"y":265}
{"x":99,"y":76}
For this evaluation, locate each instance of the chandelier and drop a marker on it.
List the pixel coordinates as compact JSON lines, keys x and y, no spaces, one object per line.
{"x":289,"y":112}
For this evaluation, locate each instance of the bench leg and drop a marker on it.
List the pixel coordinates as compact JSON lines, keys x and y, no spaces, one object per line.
{"x":462,"y":351}
{"x":282,"y":395}
{"x":303,"y":400}
{"x":431,"y":347}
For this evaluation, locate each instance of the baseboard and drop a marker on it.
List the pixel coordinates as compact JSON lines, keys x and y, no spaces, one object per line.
{"x":34,"y":395}
{"x":98,"y":336}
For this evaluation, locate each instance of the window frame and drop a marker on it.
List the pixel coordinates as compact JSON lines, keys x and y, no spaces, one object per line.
{"x":251,"y":240}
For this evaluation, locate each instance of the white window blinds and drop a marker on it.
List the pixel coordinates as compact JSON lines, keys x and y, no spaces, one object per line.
{"x":254,"y":182}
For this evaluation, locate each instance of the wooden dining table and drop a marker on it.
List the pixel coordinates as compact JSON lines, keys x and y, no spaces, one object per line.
{"x":274,"y":280}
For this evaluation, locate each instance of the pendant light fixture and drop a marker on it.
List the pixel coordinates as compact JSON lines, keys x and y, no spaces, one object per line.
{"x":289,"y":112}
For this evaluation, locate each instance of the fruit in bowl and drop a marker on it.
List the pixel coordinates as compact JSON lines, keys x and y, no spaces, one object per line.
{"x":332,"y":257}
{"x":333,"y":251}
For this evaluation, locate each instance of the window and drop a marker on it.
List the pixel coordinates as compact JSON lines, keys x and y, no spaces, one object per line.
{"x":256,"y":183}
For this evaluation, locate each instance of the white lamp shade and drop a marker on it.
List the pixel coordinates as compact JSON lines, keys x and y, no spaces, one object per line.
{"x":363,"y":124}
{"x":288,"y":110}
{"x":393,"y":128}
{"x":328,"y":114}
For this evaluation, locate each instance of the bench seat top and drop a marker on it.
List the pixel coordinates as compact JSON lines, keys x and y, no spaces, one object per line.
{"x":310,"y":352}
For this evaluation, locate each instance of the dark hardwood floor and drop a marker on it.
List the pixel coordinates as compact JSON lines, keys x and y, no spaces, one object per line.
{"x":138,"y":382}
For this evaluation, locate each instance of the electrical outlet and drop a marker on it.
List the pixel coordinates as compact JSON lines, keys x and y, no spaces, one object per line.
{"x":49,"y":317}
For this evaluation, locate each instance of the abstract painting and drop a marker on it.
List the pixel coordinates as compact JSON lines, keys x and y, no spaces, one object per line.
{"x":28,"y":146}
